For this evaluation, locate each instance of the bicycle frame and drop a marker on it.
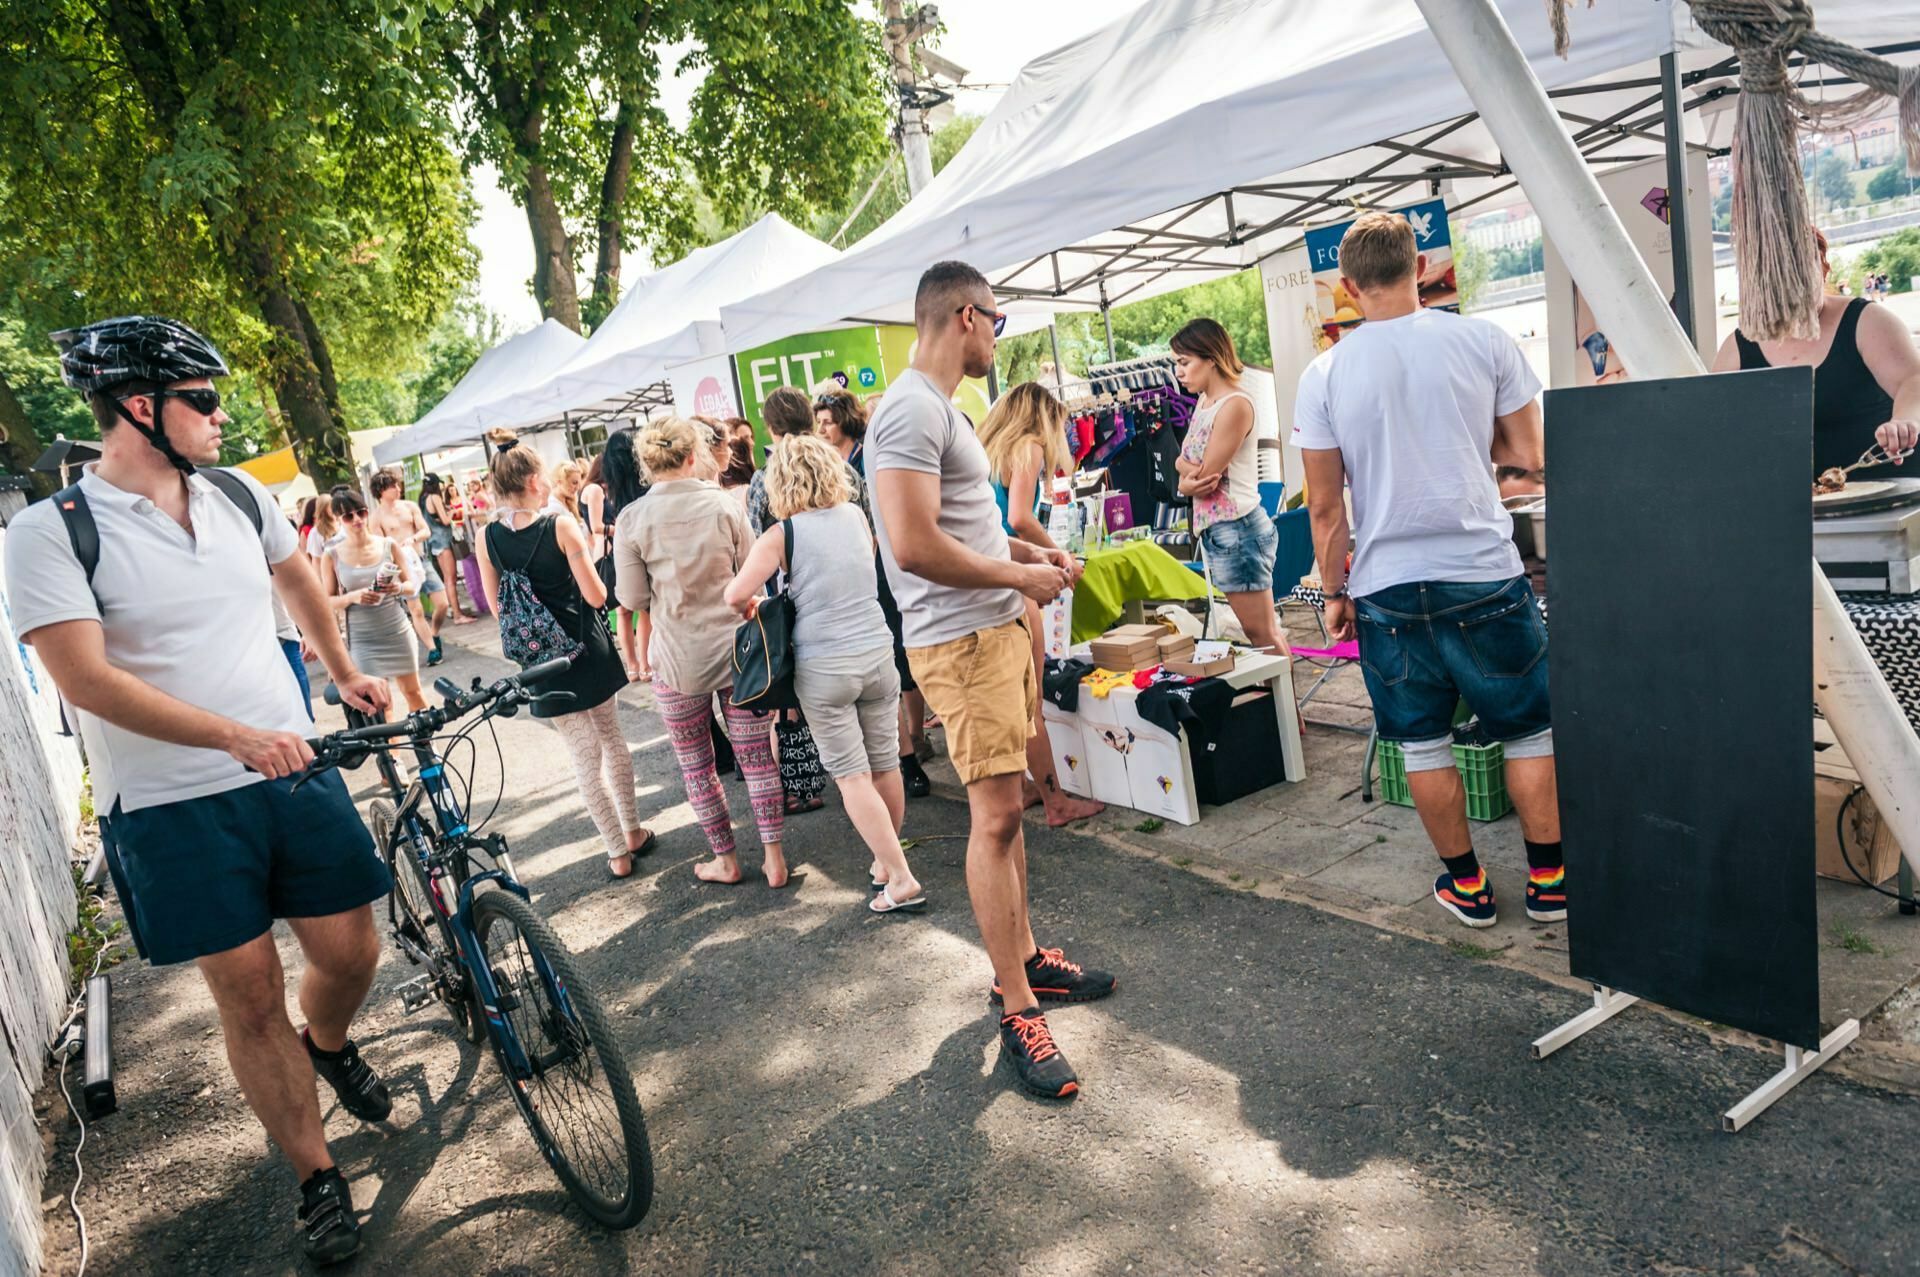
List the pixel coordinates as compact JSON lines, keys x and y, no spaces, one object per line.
{"x":441,"y":845}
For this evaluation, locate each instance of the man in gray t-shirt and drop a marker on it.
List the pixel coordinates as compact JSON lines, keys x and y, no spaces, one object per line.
{"x":959,"y":583}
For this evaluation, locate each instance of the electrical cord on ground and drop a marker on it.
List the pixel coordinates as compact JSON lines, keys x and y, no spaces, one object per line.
{"x":1840,"y":833}
{"x":66,"y":1052}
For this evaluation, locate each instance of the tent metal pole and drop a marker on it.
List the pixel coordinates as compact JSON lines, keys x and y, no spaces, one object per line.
{"x":1673,"y":122}
{"x":1059,"y":373}
{"x":1106,"y":317}
{"x":1850,"y":689}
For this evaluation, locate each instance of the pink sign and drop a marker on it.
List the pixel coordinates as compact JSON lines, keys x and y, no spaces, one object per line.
{"x":710,"y":399}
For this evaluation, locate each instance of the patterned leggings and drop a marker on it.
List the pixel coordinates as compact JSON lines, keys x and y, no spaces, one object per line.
{"x":752,"y":736}
{"x":603,"y":769}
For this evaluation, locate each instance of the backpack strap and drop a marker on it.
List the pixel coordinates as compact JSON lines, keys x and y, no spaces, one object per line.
{"x":235,"y":489}
{"x":83,"y":534}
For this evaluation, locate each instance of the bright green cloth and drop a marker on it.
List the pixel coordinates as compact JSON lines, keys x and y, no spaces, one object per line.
{"x":1122,"y":574}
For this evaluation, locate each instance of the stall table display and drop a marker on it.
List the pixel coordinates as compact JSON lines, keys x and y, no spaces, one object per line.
{"x":1889,"y":625}
{"x":1125,"y":574}
{"x":1105,"y":749}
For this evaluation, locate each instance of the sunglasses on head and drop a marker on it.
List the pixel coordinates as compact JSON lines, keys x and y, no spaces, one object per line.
{"x":205,"y":401}
{"x":998,"y":317}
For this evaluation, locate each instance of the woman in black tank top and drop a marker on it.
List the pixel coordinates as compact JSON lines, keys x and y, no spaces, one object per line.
{"x":1865,"y":388}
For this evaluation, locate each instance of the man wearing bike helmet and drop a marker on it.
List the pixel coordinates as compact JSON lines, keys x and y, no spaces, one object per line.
{"x":146,"y":588}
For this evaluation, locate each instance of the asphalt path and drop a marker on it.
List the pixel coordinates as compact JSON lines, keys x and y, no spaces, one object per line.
{"x":1272,"y":1089}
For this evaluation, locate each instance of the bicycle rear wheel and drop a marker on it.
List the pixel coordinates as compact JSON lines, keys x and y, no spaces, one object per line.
{"x":578,"y":1098}
{"x":410,"y":909}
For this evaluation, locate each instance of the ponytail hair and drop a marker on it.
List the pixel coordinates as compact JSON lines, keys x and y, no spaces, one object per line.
{"x":512,"y":467}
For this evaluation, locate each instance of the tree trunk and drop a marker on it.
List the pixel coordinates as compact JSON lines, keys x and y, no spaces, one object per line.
{"x":553,"y":283}
{"x":301,"y":370}
{"x":612,"y":220}
{"x":20,"y":444}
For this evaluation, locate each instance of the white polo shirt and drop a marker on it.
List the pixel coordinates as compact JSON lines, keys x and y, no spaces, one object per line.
{"x":188,"y":613}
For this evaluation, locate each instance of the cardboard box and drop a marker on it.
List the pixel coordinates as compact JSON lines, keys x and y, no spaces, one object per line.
{"x":1151,"y":630}
{"x":1174,"y":647}
{"x":1128,"y":647}
{"x":1203,"y":669}
{"x":1135,"y":764}
{"x":1067,"y":737}
{"x":1870,"y":843}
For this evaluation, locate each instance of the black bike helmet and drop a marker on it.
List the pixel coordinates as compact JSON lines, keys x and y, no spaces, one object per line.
{"x":96,"y":358}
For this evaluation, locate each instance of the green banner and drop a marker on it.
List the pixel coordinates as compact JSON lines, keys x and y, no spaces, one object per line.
{"x":864,"y":360}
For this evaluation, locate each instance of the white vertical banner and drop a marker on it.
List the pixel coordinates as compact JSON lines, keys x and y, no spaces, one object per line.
{"x":704,"y":388}
{"x":1579,"y":354}
{"x":1293,"y":331}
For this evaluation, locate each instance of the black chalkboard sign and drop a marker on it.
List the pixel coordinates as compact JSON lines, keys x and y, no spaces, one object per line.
{"x":1680,"y":580}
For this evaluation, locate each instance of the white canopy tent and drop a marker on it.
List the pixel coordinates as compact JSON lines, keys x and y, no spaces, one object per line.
{"x":516,"y":362}
{"x":1192,"y":138}
{"x":669,"y":318}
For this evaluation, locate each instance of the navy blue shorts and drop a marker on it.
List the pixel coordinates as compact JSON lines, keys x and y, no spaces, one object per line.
{"x":1425,"y":647}
{"x":205,"y":875}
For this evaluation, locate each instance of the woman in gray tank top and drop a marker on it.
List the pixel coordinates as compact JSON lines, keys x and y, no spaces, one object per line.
{"x":843,"y":652}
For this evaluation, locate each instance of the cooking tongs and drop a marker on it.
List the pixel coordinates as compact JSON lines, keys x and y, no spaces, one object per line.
{"x":1877,"y":456}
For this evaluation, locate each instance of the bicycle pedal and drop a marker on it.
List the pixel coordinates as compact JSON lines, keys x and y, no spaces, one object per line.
{"x":416,"y":993}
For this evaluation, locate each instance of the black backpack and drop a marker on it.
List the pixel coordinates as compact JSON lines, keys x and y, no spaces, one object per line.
{"x":83,"y":534}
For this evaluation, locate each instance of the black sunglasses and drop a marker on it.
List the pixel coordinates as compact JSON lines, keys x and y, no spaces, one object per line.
{"x":999,"y":318}
{"x":206,"y":401}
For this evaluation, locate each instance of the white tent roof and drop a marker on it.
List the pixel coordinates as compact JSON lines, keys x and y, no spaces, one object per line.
{"x":518,"y":361}
{"x":668,"y":318}
{"x":1193,"y":137}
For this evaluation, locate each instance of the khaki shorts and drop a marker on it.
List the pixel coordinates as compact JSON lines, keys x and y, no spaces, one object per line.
{"x":983,"y":688}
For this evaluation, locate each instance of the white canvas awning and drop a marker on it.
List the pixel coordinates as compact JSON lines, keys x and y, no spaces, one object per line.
{"x":1191,"y":138}
{"x":518,"y":361}
{"x":670,"y":317}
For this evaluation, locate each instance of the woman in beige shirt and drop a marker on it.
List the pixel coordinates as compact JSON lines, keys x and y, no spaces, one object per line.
{"x":673,"y":555}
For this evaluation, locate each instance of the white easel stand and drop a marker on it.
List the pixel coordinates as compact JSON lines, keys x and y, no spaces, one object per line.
{"x":1800,"y":1064}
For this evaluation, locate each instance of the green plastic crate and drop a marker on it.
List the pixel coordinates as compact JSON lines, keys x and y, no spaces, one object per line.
{"x":1483,"y":768}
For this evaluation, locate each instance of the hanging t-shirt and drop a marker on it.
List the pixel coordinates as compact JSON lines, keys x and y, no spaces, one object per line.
{"x":1409,"y":403}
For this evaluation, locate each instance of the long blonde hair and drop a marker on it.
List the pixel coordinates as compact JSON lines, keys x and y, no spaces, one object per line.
{"x":323,"y":520}
{"x":1026,"y":414}
{"x":805,"y":472}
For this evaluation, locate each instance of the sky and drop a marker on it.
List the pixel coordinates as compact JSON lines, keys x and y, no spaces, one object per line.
{"x":993,"y":39}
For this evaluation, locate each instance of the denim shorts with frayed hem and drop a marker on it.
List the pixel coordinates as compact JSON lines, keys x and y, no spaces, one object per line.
{"x":1426,"y":646}
{"x":1240,"y":553}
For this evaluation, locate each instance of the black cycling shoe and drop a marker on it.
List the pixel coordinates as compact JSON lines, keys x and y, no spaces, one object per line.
{"x":1054,"y":979}
{"x":327,"y":1226}
{"x":1037,"y":1062}
{"x":360,"y":1089}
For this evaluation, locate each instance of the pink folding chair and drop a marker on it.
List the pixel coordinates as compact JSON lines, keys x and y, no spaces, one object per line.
{"x":1329,"y":660}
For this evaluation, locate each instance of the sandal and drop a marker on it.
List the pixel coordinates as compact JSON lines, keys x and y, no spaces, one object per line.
{"x":796,"y":805}
{"x":885,"y":903}
{"x":643,"y":849}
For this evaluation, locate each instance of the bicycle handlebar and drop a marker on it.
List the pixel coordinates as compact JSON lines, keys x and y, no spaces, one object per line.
{"x":513,"y":690}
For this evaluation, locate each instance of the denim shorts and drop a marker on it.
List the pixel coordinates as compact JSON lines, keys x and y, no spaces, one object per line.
{"x":1424,"y":647}
{"x":204,"y":875}
{"x":1240,"y":553}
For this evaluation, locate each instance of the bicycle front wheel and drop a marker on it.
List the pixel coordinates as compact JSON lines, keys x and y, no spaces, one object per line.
{"x":576,"y":1095}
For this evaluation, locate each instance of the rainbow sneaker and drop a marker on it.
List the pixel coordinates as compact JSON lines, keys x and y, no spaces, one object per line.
{"x":1547,"y":894}
{"x":1471,"y":902}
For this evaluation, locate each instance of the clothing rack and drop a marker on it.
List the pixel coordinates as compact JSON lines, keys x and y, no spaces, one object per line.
{"x":1148,"y":373}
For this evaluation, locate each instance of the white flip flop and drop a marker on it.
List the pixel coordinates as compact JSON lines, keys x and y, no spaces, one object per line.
{"x":885,"y":903}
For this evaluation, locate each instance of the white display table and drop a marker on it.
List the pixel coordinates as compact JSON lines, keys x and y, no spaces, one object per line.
{"x":1107,"y":752}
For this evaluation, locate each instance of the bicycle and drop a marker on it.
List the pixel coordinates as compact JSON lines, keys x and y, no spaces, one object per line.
{"x":491,"y":959}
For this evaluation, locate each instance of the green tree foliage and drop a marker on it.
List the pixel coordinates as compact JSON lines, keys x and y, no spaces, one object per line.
{"x":1471,"y":266}
{"x":1890,"y":183}
{"x":1897,"y":257}
{"x":1833,"y":180}
{"x":1143,"y":328}
{"x":563,"y":100}
{"x":275,"y":173}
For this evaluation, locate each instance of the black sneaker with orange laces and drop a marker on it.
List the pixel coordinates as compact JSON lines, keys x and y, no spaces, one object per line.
{"x":1028,"y":1042}
{"x":1054,"y":979}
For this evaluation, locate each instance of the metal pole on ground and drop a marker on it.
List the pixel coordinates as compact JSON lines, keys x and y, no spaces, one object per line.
{"x":1674,"y":124}
{"x":1850,"y":689}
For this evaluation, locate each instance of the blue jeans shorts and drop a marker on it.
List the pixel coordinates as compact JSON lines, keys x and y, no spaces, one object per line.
{"x":1424,"y":647}
{"x":1240,"y":553}
{"x":205,"y":875}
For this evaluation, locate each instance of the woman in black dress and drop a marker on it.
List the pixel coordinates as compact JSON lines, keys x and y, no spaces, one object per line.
{"x":552,"y":550}
{"x":1866,"y":384}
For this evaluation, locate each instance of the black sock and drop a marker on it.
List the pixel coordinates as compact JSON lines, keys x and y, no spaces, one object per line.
{"x":314,"y":1050}
{"x":909,"y":763}
{"x":1463,"y":868}
{"x":1544,"y":855}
